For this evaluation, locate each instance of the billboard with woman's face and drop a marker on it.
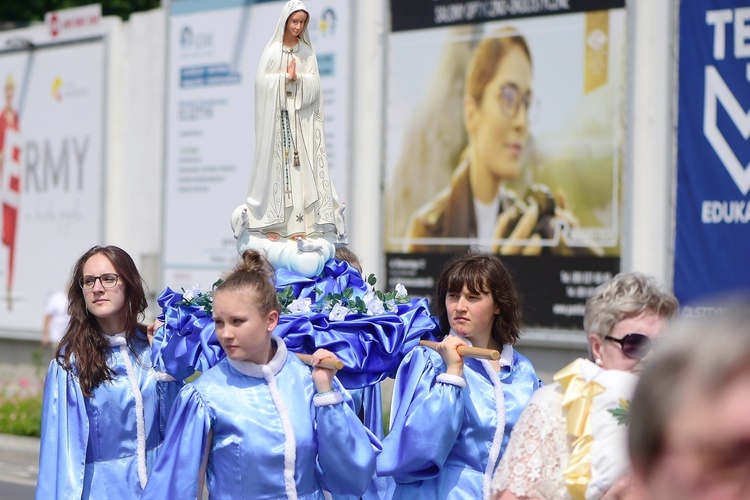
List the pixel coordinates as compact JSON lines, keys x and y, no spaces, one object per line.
{"x":505,"y":134}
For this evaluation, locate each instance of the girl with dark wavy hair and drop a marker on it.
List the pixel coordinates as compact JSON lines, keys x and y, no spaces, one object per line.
{"x":452,"y":416}
{"x":105,"y":408}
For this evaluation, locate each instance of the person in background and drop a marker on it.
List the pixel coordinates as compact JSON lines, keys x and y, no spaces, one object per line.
{"x":105,"y":408}
{"x":689,"y":434}
{"x":345,"y":255}
{"x":260,"y":424}
{"x":55,"y":319}
{"x":544,"y":459}
{"x":452,"y":416}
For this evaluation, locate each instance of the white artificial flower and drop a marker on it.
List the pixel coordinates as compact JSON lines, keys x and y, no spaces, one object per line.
{"x":401,"y":290}
{"x":373,"y":303}
{"x":338,"y":313}
{"x":301,"y":305}
{"x":192,"y":293}
{"x":369,"y":297}
{"x":375,"y":307}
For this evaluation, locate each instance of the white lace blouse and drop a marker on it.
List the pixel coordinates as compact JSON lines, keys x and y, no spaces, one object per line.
{"x":538,"y":450}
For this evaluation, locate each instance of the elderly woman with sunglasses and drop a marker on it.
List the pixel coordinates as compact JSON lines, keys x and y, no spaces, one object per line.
{"x":570,"y":441}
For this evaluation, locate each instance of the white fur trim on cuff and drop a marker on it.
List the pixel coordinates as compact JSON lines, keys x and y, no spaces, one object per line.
{"x":447,"y":378}
{"x":163,"y":377}
{"x":328,"y":398}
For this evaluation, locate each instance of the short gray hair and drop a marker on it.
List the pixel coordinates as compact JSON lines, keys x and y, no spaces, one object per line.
{"x":625,"y":296}
{"x":698,"y":357}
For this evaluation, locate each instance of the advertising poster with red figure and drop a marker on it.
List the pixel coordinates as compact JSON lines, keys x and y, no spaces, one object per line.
{"x":10,"y":179}
{"x":51,"y":187}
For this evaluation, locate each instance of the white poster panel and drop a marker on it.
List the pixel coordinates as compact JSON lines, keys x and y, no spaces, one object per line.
{"x":214,"y":50}
{"x":56,"y":93}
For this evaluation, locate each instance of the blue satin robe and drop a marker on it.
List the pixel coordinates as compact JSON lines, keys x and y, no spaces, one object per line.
{"x":232,"y":415}
{"x":89,"y":445}
{"x":441,"y":435}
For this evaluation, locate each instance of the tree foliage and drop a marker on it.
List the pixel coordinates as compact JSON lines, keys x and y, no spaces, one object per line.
{"x":27,"y":11}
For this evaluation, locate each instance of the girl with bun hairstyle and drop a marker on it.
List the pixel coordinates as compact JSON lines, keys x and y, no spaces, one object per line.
{"x":260,"y":423}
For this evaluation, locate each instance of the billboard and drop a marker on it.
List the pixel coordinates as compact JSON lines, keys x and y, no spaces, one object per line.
{"x":52,"y":148}
{"x":713,"y":176}
{"x":504,"y":133}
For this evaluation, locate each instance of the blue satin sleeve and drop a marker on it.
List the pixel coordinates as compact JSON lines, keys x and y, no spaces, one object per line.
{"x":65,"y":428}
{"x":426,"y":418}
{"x":176,"y":471}
{"x":168,"y":392}
{"x":347,"y":450}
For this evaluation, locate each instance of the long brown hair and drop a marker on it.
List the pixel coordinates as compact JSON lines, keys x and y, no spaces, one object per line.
{"x":84,"y":350}
{"x":482,"y":273}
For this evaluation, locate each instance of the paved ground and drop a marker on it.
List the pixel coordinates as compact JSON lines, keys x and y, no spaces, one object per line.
{"x":19,"y":465}
{"x":19,"y":456}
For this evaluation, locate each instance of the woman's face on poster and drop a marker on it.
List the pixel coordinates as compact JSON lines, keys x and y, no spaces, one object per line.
{"x":498,"y":124}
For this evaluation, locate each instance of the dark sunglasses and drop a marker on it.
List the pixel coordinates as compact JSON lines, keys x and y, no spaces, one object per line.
{"x":634,"y":345}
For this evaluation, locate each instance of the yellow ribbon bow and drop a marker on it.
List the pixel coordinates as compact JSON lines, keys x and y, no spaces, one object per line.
{"x":578,"y":395}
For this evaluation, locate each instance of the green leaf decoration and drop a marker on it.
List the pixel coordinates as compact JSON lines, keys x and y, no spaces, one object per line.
{"x":622,"y":412}
{"x":352,"y":299}
{"x":285,"y":297}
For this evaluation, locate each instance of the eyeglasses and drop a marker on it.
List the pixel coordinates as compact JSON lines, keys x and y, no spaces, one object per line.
{"x":108,"y":280}
{"x":511,"y":100}
{"x":634,"y":345}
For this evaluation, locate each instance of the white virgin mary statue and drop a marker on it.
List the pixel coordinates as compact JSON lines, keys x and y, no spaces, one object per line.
{"x":292,"y":211}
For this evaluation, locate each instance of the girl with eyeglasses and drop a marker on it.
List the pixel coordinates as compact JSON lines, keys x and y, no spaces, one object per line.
{"x":105,"y":408}
{"x":570,"y":441}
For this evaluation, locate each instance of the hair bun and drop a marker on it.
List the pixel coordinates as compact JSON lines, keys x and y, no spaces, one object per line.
{"x":254,"y":262}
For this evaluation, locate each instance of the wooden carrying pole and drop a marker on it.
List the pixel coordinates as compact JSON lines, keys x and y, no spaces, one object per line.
{"x":334,"y":364}
{"x":466,"y":351}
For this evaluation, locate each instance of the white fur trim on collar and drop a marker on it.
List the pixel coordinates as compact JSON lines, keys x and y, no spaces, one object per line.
{"x":255,"y":370}
{"x":506,"y":356}
{"x":117,"y":339}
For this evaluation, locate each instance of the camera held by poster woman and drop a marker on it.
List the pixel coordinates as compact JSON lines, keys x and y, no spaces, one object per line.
{"x":545,"y":200}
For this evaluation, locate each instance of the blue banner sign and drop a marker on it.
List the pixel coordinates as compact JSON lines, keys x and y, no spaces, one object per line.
{"x":713,"y":175}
